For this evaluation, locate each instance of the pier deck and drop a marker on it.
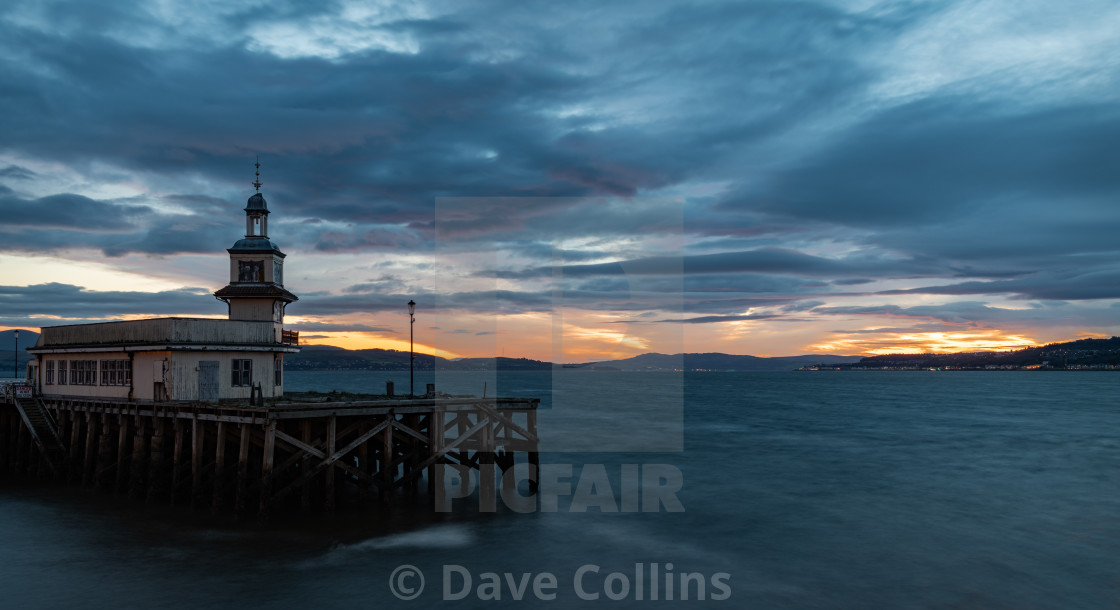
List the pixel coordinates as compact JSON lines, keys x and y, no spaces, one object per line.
{"x":243,"y":459}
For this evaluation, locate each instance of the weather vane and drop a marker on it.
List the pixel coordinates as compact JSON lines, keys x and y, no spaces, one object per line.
{"x":257,"y":182}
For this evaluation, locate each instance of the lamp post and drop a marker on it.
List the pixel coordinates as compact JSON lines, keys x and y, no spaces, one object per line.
{"x":411,"y":351}
{"x":15,"y":356}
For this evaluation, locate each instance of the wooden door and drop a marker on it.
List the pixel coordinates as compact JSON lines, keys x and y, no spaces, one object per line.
{"x":208,"y":380}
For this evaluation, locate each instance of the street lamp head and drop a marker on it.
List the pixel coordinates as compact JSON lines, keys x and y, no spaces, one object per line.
{"x":411,"y":307}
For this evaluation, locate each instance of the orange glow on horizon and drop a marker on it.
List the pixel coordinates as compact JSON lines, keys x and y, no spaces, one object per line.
{"x":364,"y":340}
{"x":925,"y":343}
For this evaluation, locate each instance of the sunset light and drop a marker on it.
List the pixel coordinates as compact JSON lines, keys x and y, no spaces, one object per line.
{"x":425,"y":304}
{"x":922,"y":343}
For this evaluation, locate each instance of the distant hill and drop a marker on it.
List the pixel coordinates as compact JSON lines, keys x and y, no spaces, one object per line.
{"x":27,"y":338}
{"x":314,"y":357}
{"x":713,"y":361}
{"x":1079,"y":354}
{"x":320,"y":357}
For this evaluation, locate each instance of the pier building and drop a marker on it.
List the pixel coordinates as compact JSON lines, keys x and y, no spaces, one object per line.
{"x":184,"y":359}
{"x":193,"y":410}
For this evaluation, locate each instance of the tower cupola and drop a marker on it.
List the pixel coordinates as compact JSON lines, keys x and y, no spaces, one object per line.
{"x":256,"y":268}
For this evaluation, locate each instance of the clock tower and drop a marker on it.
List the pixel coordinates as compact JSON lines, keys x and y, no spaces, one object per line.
{"x":256,"y":269}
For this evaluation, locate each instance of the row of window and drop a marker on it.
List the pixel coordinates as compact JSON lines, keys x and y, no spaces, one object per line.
{"x":84,"y":372}
{"x":119,"y":372}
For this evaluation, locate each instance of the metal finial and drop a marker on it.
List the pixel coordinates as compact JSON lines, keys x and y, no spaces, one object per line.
{"x":257,"y":182}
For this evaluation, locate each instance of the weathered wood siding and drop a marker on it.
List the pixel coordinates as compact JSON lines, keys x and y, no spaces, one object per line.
{"x":161,"y":330}
{"x":184,"y":371}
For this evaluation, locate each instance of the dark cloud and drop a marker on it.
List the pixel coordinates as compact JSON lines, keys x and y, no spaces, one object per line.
{"x":718,"y":319}
{"x":935,"y":159}
{"x":65,"y":300}
{"x":326,"y":327}
{"x":760,"y":260}
{"x":775,"y":142}
{"x":908,"y":330}
{"x":1054,"y":285}
{"x":68,"y":211}
{"x":980,"y":314}
{"x":16,"y":172}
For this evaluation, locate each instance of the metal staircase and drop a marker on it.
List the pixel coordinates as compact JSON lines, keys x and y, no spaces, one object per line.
{"x":43,"y":430}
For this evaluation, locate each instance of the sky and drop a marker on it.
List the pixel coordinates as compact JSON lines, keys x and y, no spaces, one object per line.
{"x":573,"y":181}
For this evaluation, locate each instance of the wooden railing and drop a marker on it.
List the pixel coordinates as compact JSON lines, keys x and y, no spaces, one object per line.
{"x":289,"y":337}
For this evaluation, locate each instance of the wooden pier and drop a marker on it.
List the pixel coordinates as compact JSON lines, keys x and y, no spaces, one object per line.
{"x":246,"y":460}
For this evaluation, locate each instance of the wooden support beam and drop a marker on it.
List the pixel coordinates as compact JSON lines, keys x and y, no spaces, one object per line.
{"x":304,"y":446}
{"x":507,"y":422}
{"x":242,"y":470}
{"x":328,"y":482}
{"x":198,"y":444}
{"x":89,"y":463}
{"x":266,"y":466}
{"x":417,"y":441}
{"x":217,"y":500}
{"x":157,"y":467}
{"x":138,"y":465}
{"x":73,"y":470}
{"x":486,"y":490}
{"x":412,"y":440}
{"x":363,"y":461}
{"x":437,"y":455}
{"x":122,"y":454}
{"x":331,"y":460}
{"x":176,"y":459}
{"x":23,"y":449}
{"x":409,"y":431}
{"x":388,"y":471}
{"x":435,"y":444}
{"x":462,"y":420}
{"x":534,"y":455}
{"x":4,"y":410}
{"x":305,"y":431}
{"x":104,"y":452}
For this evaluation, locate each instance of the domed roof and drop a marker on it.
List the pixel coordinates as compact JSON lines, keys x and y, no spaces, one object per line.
{"x":256,"y":202}
{"x":255,"y":243}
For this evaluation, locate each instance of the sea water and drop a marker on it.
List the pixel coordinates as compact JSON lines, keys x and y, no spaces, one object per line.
{"x":798,"y":490}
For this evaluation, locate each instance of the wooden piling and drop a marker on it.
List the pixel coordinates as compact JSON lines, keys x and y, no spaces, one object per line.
{"x":242,"y":470}
{"x":122,"y":453}
{"x":77,"y":422}
{"x":435,"y":445}
{"x":158,"y":465}
{"x":387,"y":470}
{"x":219,"y":469}
{"x":177,"y":459}
{"x":305,"y":465}
{"x":486,"y":498}
{"x":198,"y":439}
{"x":89,"y":463}
{"x":140,"y":449}
{"x":4,"y":410}
{"x":534,"y":456}
{"x":23,"y":443}
{"x":329,"y":491}
{"x":105,"y":460}
{"x":138,"y":467}
{"x":266,"y":466}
